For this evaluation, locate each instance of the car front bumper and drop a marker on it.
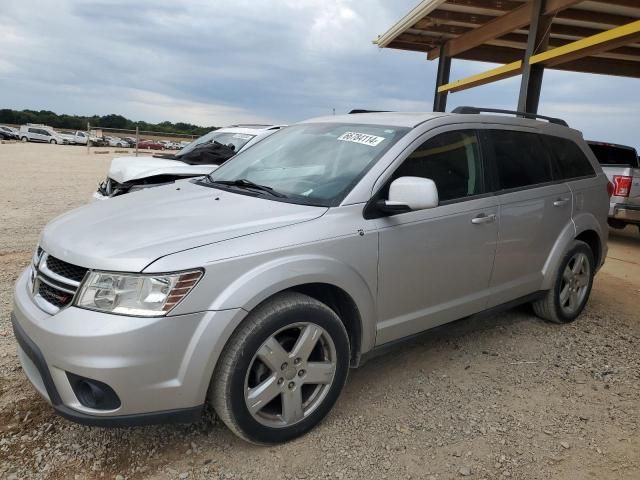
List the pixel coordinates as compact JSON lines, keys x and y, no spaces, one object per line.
{"x":624,"y":212}
{"x":99,"y":196}
{"x":160,"y":368}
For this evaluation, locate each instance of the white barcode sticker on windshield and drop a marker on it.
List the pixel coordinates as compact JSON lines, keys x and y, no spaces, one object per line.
{"x":362,"y":138}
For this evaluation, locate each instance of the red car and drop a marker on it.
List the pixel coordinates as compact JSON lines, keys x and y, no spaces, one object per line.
{"x":150,"y":145}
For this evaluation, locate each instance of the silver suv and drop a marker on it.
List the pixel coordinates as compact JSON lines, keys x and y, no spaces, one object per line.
{"x":254,"y":289}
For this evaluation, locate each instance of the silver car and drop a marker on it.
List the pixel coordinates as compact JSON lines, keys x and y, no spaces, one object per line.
{"x":254,"y":289}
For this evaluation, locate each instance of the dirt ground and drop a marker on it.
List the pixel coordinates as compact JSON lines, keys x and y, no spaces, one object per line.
{"x":504,"y":397}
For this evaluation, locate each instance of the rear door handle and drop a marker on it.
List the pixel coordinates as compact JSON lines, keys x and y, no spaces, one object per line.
{"x":561,"y":202}
{"x":484,"y":218}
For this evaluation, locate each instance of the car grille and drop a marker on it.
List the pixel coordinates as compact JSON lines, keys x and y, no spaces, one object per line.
{"x":54,"y":296}
{"x":65,"y":269}
{"x":54,"y":282}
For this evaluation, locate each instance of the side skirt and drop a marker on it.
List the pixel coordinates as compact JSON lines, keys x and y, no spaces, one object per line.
{"x":385,"y":348}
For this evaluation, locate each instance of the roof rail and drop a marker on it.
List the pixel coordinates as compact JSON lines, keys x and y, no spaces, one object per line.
{"x":249,"y":125}
{"x":367,"y":111}
{"x":476,"y":110}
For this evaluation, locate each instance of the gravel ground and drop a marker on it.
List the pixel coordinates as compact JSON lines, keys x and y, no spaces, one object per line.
{"x":502,"y":397}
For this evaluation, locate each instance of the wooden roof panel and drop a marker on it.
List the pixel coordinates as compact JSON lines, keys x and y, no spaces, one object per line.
{"x":461,"y":22}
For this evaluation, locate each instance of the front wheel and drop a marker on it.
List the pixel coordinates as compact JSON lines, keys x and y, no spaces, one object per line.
{"x":53,"y":142}
{"x":282,"y":371}
{"x":24,"y":139}
{"x":572,"y":286}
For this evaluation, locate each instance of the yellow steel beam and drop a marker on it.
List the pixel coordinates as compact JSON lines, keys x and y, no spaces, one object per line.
{"x":595,"y":44}
{"x":506,"y":71}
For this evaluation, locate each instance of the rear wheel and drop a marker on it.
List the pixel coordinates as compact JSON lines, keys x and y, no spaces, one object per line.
{"x":53,"y":142}
{"x":282,"y":371}
{"x":24,"y":139}
{"x":572,"y":286}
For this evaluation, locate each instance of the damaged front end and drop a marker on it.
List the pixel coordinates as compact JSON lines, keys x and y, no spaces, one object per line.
{"x":110,"y":188}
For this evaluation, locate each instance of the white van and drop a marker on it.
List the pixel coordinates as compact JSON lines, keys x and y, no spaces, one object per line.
{"x":32,"y":132}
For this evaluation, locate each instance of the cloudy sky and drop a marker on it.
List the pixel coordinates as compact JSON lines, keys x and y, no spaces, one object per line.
{"x":216,"y":62}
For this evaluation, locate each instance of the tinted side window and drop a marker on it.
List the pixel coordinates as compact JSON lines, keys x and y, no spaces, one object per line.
{"x":569,"y":159}
{"x":521,"y":160}
{"x":452,"y":161}
{"x":33,"y":130}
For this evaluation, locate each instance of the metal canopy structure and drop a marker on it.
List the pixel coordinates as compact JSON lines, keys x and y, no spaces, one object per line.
{"x":526,"y":36}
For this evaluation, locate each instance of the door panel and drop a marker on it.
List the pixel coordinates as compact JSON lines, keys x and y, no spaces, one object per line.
{"x":530,"y":223}
{"x":534,"y":211}
{"x":434,"y":267}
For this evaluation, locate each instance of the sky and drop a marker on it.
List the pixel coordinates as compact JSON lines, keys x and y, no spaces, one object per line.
{"x":219,"y":62}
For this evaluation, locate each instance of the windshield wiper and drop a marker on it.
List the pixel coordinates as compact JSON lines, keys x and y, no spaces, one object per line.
{"x":248,"y":184}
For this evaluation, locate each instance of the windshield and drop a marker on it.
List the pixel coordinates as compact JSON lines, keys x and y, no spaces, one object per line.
{"x":312,"y":163}
{"x":238,"y":140}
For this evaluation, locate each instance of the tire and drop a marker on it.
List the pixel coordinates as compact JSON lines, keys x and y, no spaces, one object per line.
{"x":616,"y":224}
{"x":53,"y":142}
{"x":261,"y":353}
{"x":24,"y":139}
{"x":576,"y":271}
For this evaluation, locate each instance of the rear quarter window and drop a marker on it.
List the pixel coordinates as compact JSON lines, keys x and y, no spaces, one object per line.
{"x":568,"y":159}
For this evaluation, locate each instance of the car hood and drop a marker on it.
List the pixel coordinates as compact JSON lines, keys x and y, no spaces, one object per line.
{"x":127,"y":169}
{"x":129,"y":232}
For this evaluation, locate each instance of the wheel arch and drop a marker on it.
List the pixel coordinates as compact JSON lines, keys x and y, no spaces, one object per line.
{"x":584,"y":227}
{"x":591,"y":238}
{"x":344,"y":306}
{"x":328,"y":280}
{"x":594,"y":233}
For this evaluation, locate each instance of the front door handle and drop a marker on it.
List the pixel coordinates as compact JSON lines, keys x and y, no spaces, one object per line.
{"x":484,"y":218}
{"x":561,"y":202}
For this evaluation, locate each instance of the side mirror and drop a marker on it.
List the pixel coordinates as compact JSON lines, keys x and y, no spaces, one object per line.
{"x":410,"y":193}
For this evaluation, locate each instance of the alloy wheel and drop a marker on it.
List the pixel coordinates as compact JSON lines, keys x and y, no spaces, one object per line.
{"x":575,"y":283}
{"x":290,"y":375}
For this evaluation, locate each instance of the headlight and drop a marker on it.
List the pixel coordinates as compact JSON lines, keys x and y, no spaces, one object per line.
{"x":137,"y":295}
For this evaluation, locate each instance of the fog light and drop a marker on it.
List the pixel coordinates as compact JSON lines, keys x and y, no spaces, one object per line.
{"x":93,"y":394}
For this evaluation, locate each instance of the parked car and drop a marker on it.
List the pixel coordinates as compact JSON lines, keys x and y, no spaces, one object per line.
{"x":150,"y":145}
{"x":168,"y":145}
{"x":131,"y":141}
{"x":98,"y":141}
{"x":130,"y":174}
{"x":254,"y":289}
{"x":117,"y":142}
{"x":77,"y":137}
{"x":8,"y":133}
{"x":621,"y":165}
{"x":40,"y":133}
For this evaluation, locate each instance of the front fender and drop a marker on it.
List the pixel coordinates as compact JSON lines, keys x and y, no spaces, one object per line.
{"x":267,"y":279}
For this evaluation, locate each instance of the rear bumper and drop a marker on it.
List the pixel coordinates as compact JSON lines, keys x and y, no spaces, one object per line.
{"x":625,"y":213}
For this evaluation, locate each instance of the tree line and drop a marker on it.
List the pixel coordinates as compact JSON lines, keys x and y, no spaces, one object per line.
{"x":78,"y":122}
